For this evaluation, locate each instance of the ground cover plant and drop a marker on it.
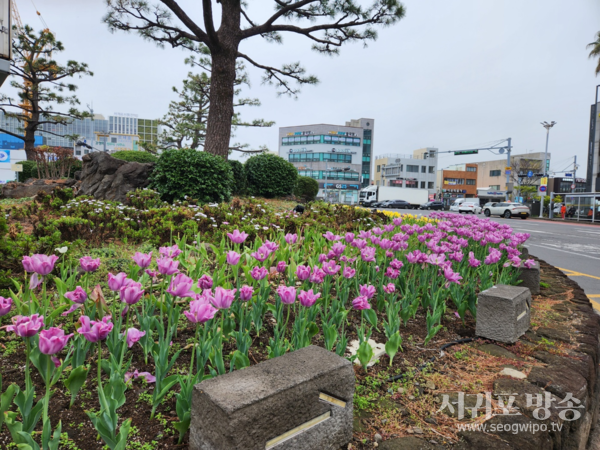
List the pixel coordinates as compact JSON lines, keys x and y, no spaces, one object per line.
{"x":217,"y":301}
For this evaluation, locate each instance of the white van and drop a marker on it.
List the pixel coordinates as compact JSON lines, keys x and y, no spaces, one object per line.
{"x":459,"y":201}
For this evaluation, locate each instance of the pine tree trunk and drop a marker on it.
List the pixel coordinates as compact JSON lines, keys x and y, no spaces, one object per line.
{"x":30,"y":143}
{"x":220,"y":114}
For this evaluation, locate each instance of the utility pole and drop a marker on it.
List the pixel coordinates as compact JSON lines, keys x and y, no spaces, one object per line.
{"x":547,"y":126}
{"x":574,"y":188}
{"x":508,"y":165}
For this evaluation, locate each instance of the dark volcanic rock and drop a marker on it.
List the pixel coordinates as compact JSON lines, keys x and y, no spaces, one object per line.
{"x":107,"y":178}
{"x":33,"y":186}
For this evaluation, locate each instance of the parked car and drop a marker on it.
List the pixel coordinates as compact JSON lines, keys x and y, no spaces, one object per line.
{"x":506,"y":210}
{"x":469,"y":207}
{"x":432,"y":205}
{"x":398,"y":204}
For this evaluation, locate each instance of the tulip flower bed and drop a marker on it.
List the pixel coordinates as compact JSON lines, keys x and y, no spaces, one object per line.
{"x":116,"y":367}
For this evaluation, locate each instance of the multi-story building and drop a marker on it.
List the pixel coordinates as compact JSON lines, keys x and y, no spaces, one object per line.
{"x":593,"y":161}
{"x":416,"y":171}
{"x":337,"y":156}
{"x":457,"y":181}
{"x":522,"y":171}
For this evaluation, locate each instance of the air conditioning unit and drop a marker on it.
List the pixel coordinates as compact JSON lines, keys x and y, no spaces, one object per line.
{"x":398,"y":160}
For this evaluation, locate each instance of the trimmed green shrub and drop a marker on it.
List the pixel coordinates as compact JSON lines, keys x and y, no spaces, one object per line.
{"x":270,"y":176}
{"x":200,"y":175}
{"x":306,"y":188}
{"x":29,"y":170}
{"x":239,"y":177}
{"x":135,"y":156}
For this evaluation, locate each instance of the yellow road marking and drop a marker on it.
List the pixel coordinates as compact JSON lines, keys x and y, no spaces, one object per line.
{"x":573,"y":273}
{"x":594,"y":295}
{"x":595,"y":304}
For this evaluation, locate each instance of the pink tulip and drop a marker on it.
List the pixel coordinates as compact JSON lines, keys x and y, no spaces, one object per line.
{"x":317,"y":276}
{"x":368,"y":254}
{"x":287,"y":294}
{"x":338,"y":248}
{"x":147,"y":376}
{"x":271,"y":246}
{"x":26,"y":326}
{"x":331,"y":268}
{"x":322,"y":258}
{"x":308,"y":298}
{"x":5,"y":305}
{"x":367,"y":290}
{"x":223,"y":297}
{"x":331,"y":237}
{"x":303,"y":272}
{"x":246,"y":293}
{"x":349,"y":272}
{"x":170,"y":252}
{"x":233,"y":258}
{"x":236,"y":237}
{"x":153,"y":273}
{"x":261,"y":254}
{"x":390,"y":288}
{"x":528,"y":264}
{"x":200,"y":311}
{"x":27,"y":265}
{"x":392,"y":273}
{"x":42,"y":264}
{"x":395,"y":264}
{"x":167,"y":266}
{"x":258,"y":273}
{"x":143,"y":260}
{"x":133,"y":336}
{"x":361,"y":303}
{"x":281,"y":266}
{"x":88,"y":264}
{"x":181,"y":286}
{"x":95,"y":331}
{"x":53,"y":340}
{"x":132,"y":293}
{"x":291,"y":238}
{"x":116,"y":282}
{"x":77,"y":296}
{"x":205,"y":282}
{"x":349,"y":237}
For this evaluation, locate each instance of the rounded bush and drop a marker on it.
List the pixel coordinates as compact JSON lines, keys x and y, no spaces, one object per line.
{"x":188,"y":172}
{"x":270,"y":176}
{"x":29,"y":171}
{"x":239,"y":177}
{"x":307,"y":188}
{"x":135,"y":156}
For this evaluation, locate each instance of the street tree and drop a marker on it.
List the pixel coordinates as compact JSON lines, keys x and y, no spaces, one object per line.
{"x":43,"y":85}
{"x":185,"y":122}
{"x":328,"y":24}
{"x":595,"y":52}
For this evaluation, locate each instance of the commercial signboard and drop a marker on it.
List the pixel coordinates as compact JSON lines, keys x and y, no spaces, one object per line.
{"x":8,"y":142}
{"x":4,"y":156}
{"x":342,"y":186}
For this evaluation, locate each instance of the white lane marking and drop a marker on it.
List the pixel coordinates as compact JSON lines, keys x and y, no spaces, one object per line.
{"x":534,"y":231}
{"x":563,"y":251}
{"x":589,"y":232}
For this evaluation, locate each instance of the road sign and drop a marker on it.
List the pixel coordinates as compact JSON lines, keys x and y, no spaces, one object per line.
{"x":568,"y":175}
{"x":573,"y":186}
{"x":16,"y":167}
{"x":544,"y":181}
{"x":4,"y":156}
{"x":466,"y":152}
{"x":542,"y":188}
{"x":508,"y":168}
{"x":530,"y":173}
{"x":507,"y":172}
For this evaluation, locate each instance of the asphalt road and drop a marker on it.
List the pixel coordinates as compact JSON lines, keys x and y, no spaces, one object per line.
{"x":573,"y":248}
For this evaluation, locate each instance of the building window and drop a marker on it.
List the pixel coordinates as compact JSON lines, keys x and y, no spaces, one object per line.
{"x":423,"y":169}
{"x":471,"y":183}
{"x":454,"y":181}
{"x":378,"y":169}
{"x":431,"y":169}
{"x":422,"y":184}
{"x":430,"y":185}
{"x":495,"y":187}
{"x":411,"y":168}
{"x":471,"y":169}
{"x":495,"y":173}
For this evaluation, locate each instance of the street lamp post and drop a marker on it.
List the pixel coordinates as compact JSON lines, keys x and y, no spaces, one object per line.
{"x":547,"y":126}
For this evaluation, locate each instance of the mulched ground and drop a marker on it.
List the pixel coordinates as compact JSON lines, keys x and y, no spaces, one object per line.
{"x":391,"y":415}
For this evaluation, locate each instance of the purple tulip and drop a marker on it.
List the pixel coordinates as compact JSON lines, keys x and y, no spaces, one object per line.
{"x":281,"y":266}
{"x":473,"y":262}
{"x":528,"y":264}
{"x":271,"y":246}
{"x":143,"y":260}
{"x":317,"y":276}
{"x":258,"y":273}
{"x":233,"y":258}
{"x":303,"y":272}
{"x":368,"y":254}
{"x":236,"y":237}
{"x":147,"y":376}
{"x":349,"y":272}
{"x":27,"y":265}
{"x":349,"y":237}
{"x":77,"y":296}
{"x":88,"y":264}
{"x":200,"y":312}
{"x":493,"y":257}
{"x":53,"y":340}
{"x":395,"y":264}
{"x":368,"y":291}
{"x":223,"y":297}
{"x":95,"y":330}
{"x":451,"y":276}
{"x":291,"y":238}
{"x":361,"y":303}
{"x":331,"y":237}
{"x":181,"y":286}
{"x":338,"y":248}
{"x":42,"y":264}
{"x":132,"y":293}
{"x":133,"y":336}
{"x":246,"y":293}
{"x":26,"y":326}
{"x":116,"y":282}
{"x":389,"y":228}
{"x":390,"y":288}
{"x":167,"y":266}
{"x":413,"y":257}
{"x":287,"y":294}
{"x":5,"y":305}
{"x":205,"y":282}
{"x":169,"y":252}
{"x":308,"y":298}
{"x":153,"y":273}
{"x":331,"y":268}
{"x":322,"y":258}
{"x":261,"y":254}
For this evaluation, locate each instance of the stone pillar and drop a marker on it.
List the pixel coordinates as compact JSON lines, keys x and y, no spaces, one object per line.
{"x":530,"y":278}
{"x":503,"y":313}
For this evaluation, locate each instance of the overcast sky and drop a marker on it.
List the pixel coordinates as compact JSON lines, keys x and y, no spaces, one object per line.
{"x":451,"y":74}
